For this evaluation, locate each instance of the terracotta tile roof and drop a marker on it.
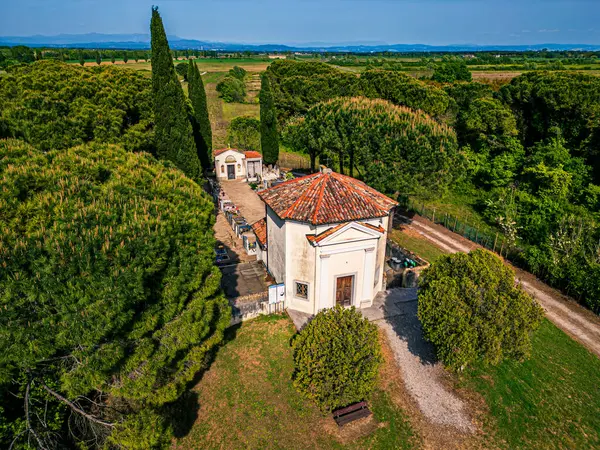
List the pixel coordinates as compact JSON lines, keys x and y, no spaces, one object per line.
{"x":319,"y":237}
{"x":223,"y":150}
{"x":252,"y":154}
{"x":260,"y":230}
{"x":326,"y":197}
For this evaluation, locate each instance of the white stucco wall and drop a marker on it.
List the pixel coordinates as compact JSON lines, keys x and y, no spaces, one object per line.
{"x":300,"y":264}
{"x":276,"y":242}
{"x":240,"y":164}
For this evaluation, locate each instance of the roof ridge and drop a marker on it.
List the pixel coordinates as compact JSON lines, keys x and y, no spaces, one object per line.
{"x":301,"y":196}
{"x":320,"y":197}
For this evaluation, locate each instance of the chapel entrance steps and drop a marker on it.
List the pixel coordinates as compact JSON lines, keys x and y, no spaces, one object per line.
{"x":386,"y":304}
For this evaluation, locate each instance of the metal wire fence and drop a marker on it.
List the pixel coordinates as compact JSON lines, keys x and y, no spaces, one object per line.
{"x":494,"y":242}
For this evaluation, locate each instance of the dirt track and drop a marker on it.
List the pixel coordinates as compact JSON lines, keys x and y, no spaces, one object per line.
{"x":565,"y":313}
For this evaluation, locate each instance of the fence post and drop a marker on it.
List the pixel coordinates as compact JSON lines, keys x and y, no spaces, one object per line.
{"x":433,"y":216}
{"x":501,"y":248}
{"x":455,"y":223}
{"x":495,"y":241}
{"x":476,"y":235}
{"x":422,"y":208}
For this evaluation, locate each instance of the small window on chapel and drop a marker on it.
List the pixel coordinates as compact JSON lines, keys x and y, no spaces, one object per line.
{"x":239,"y":167}
{"x":301,"y":290}
{"x":222,"y":169}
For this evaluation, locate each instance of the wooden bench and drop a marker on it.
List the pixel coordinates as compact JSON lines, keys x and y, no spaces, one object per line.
{"x":351,"y":413}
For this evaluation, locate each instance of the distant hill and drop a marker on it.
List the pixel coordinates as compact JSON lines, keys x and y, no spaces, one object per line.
{"x":142,"y":41}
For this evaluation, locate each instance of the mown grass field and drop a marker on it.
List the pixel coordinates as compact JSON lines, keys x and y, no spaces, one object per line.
{"x":551,"y":401}
{"x":247,"y":400}
{"x":418,"y":245}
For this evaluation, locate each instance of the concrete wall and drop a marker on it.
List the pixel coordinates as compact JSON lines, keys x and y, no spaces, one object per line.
{"x":251,"y":306}
{"x":276,"y":246}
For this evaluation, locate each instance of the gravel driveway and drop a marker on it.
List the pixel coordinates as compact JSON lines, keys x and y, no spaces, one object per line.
{"x":422,"y":374}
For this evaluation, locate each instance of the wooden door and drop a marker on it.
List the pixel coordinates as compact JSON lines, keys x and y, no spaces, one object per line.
{"x":343,"y":291}
{"x":231,"y":171}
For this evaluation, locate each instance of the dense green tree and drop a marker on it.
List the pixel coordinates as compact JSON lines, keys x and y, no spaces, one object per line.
{"x":464,"y":93}
{"x":337,"y":357}
{"x":231,"y":89}
{"x":451,"y":69}
{"x":182,"y":70}
{"x":471,"y":310}
{"x":201,"y":119}
{"x":238,"y":72}
{"x":112,"y":58}
{"x":53,"y":105}
{"x":22,"y":54}
{"x":269,"y":136}
{"x":403,"y":90}
{"x":81,"y":58}
{"x":547,"y":102}
{"x":244,"y":133}
{"x":98,"y":58}
{"x":174,"y":133}
{"x":125,"y":57}
{"x":110,"y":299}
{"x":394,"y":148}
{"x":298,"y":85}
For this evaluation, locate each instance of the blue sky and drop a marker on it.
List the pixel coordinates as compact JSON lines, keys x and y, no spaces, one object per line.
{"x":436,"y":22}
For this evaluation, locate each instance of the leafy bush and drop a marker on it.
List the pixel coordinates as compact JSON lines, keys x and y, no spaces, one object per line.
{"x":470,"y":309}
{"x":238,"y":72}
{"x":110,"y":297}
{"x":182,"y":69}
{"x":244,"y":132}
{"x":53,"y":105}
{"x":232,"y":89}
{"x":451,"y":70}
{"x":337,"y":356}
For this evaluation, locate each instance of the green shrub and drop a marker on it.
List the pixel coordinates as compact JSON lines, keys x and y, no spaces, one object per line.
{"x":182,"y":69}
{"x":336,"y":358}
{"x":244,"y":133}
{"x":238,"y":72}
{"x":470,"y":309}
{"x":232,"y":90}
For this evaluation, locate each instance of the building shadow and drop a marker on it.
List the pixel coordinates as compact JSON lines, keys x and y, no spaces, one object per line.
{"x":407,"y":326}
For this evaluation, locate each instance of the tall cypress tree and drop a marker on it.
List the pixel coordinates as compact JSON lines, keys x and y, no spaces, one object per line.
{"x":269,"y":138}
{"x":173,"y":130}
{"x":200,"y":120}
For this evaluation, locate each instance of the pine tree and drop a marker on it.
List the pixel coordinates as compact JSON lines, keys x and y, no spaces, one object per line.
{"x":200,"y":119}
{"x":81,"y":58}
{"x":98,"y":58}
{"x":268,"y":123}
{"x":173,"y":131}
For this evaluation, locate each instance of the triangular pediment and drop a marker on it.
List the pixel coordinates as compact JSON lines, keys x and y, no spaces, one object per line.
{"x":350,"y":232}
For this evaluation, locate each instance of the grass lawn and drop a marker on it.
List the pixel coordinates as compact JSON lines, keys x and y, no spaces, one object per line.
{"x":550,"y":401}
{"x":246,"y":400}
{"x":233,"y":110}
{"x":420,"y":246}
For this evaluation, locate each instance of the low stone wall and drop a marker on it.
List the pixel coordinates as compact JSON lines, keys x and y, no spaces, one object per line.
{"x":251,"y":306}
{"x":405,"y":277}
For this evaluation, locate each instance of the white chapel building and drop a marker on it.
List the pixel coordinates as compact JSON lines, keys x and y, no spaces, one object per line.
{"x":234,"y":164}
{"x":324,"y":237}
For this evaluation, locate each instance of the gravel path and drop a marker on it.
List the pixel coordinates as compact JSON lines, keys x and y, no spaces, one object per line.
{"x":422,"y":374}
{"x":566,"y":314}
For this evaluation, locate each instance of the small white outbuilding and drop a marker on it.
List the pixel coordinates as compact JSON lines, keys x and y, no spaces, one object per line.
{"x":324,"y":238}
{"x":234,"y":164}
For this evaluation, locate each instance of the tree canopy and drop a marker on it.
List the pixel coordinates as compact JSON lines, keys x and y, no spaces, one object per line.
{"x":244,"y":133}
{"x":174,"y":133}
{"x":110,"y":298}
{"x":393,"y":147}
{"x":471,"y":310}
{"x":200,"y":118}
{"x":451,"y":69}
{"x":232,"y":89}
{"x":53,"y":105}
{"x":269,"y":135}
